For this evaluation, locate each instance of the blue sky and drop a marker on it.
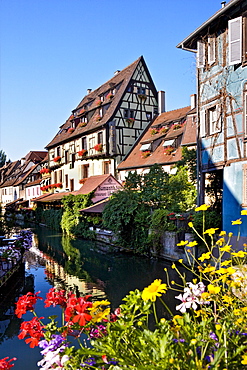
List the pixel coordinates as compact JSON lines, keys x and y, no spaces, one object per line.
{"x":52,"y":51}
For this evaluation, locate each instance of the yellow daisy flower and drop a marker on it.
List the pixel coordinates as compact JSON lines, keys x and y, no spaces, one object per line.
{"x":182,"y":243}
{"x":203,"y":207}
{"x":244,"y":212}
{"x":205,"y":256}
{"x":211,"y":231}
{"x":226,"y":248}
{"x":222,"y":233}
{"x":237,"y":222}
{"x":240,"y":254}
{"x":213,"y":289}
{"x":154,"y":290}
{"x":192,"y":244}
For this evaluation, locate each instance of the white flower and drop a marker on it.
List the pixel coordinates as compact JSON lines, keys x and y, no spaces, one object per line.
{"x":191,"y":297}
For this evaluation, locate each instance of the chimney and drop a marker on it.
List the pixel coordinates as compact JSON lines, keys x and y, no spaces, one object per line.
{"x":89,"y":90}
{"x":223,"y":3}
{"x":161,"y":102}
{"x":116,"y":73}
{"x":192,"y":101}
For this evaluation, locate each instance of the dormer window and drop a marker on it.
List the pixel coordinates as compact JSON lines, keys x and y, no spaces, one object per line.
{"x":169,"y":143}
{"x":141,"y":90}
{"x":145,"y":147}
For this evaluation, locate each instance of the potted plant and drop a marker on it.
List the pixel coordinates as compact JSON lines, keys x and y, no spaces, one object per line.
{"x":145,"y":154}
{"x":130,"y":120}
{"x":154,"y":131}
{"x":70,"y":130}
{"x":98,"y":147}
{"x":82,"y":152}
{"x":57,"y":159}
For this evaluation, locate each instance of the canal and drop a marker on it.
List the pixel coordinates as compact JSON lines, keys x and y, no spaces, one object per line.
{"x":78,"y":265}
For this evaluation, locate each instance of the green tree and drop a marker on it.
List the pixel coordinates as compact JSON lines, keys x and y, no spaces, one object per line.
{"x":189,"y":160}
{"x":2,"y":158}
{"x":128,"y":217}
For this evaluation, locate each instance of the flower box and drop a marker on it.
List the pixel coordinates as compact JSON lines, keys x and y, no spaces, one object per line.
{"x":70,"y":130}
{"x":130,"y":120}
{"x":98,"y":118}
{"x":164,"y":130}
{"x":98,"y":102}
{"x":154,"y":131}
{"x":82,"y":152}
{"x":169,"y":150}
{"x":145,"y":154}
{"x":82,"y":111}
{"x":177,"y":126}
{"x":57,"y":159}
{"x":109,"y":96}
{"x":98,"y":147}
{"x":82,"y":124}
{"x":142,"y":96}
{"x":44,"y":170}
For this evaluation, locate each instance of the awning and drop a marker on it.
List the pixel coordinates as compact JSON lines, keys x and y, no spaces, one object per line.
{"x":97,"y":207}
{"x":169,"y":142}
{"x":145,"y":147}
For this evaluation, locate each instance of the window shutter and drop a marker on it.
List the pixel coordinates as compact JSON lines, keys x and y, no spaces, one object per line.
{"x":244,"y":38}
{"x":235,"y":40}
{"x":211,"y":50}
{"x":202,"y":123}
{"x":218,"y":126}
{"x":245,"y":112}
{"x":200,"y":54}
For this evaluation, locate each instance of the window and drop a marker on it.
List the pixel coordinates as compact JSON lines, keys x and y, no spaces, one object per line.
{"x":60,"y":176}
{"x":106,"y":168}
{"x":71,"y":184}
{"x":91,"y":142}
{"x":130,"y":89}
{"x":84,"y":143}
{"x":100,"y":137}
{"x":59,"y":151}
{"x":66,"y":181}
{"x":149,"y":116}
{"x":66,"y":156}
{"x":206,"y":52}
{"x":129,"y":113}
{"x":55,"y":177}
{"x":141,"y":90}
{"x":72,"y":165}
{"x":85,"y":171}
{"x":210,"y":120}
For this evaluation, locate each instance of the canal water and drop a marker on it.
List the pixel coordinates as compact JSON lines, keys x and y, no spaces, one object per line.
{"x":79,"y":265}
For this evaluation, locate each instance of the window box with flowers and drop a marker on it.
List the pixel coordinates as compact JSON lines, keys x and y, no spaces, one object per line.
{"x":142,"y":96}
{"x":82,"y":124}
{"x":154,"y":131}
{"x":169,"y":150}
{"x":177,"y":126}
{"x":109,"y":96}
{"x":164,"y":130}
{"x":145,"y":154}
{"x":44,"y":171}
{"x":98,"y":118}
{"x":82,"y":152}
{"x":82,"y":181}
{"x":82,"y":111}
{"x":98,"y":147}
{"x":130,"y":121}
{"x":57,"y":159}
{"x":98,"y":102}
{"x":71,"y":130}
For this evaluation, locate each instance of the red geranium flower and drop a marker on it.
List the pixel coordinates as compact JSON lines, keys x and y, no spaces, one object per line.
{"x":5,"y":363}
{"x":33,"y":328}
{"x":54,"y":298}
{"x":26,"y":303}
{"x":76,"y":309}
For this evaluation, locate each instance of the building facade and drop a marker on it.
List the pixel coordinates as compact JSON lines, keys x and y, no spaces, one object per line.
{"x":103,"y":127}
{"x":220,"y":45}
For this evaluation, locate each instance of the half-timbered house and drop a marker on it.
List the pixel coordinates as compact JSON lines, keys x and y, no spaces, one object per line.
{"x":162,"y":141}
{"x":103,"y":127}
{"x":220,"y":45}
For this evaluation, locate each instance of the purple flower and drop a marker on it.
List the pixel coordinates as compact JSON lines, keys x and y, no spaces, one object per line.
{"x":56,"y":342}
{"x":90,"y":362}
{"x":213,"y":336}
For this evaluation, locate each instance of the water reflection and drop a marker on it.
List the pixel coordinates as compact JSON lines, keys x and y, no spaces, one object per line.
{"x":55,"y":260}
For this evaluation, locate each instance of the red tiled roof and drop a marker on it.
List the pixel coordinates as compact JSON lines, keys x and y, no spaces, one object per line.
{"x":46,"y":198}
{"x":135,"y":160}
{"x":35,"y":182}
{"x":121,"y":79}
{"x":96,"y":208}
{"x":92,"y":183}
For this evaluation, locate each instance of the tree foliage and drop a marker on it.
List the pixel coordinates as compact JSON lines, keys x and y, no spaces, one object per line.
{"x":72,"y":204}
{"x":128,"y":217}
{"x":189,"y":160}
{"x":2,"y":158}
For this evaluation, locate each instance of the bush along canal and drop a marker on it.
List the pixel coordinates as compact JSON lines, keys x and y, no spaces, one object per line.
{"x":77,"y":266}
